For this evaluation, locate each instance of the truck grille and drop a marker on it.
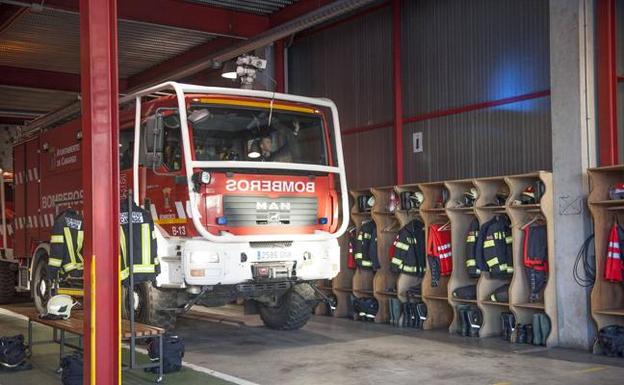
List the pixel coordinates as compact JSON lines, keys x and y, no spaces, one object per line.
{"x":259,"y":210}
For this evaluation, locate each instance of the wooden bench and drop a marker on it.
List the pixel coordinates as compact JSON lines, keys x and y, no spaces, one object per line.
{"x":75,"y":326}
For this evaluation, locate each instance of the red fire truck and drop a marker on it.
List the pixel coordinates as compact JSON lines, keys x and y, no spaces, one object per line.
{"x":247,"y":190}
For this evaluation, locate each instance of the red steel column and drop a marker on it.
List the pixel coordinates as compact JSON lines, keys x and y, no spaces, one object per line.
{"x":607,"y":83}
{"x":278,"y":56}
{"x":99,"y":81}
{"x":398,"y":98}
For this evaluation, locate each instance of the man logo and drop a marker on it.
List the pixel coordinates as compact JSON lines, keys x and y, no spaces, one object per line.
{"x":273,"y":206}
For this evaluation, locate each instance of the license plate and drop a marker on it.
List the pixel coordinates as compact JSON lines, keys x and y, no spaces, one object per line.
{"x":274,"y":255}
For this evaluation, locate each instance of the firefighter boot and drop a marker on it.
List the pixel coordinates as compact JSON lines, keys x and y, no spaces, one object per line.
{"x":537,"y":331}
{"x":529,"y":333}
{"x":465,"y":322}
{"x":476,"y":319}
{"x":395,"y":311}
{"x":508,"y":325}
{"x":544,"y":322}
{"x":460,"y":319}
{"x":421,"y":314}
{"x":391,"y":310}
{"x":521,"y":334}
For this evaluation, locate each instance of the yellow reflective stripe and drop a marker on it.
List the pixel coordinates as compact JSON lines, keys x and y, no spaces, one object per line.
{"x":510,"y":269}
{"x":122,"y":243}
{"x":171,"y":221}
{"x":366,"y":263}
{"x":508,"y":240}
{"x":367,"y":236}
{"x":55,"y":262}
{"x":402,"y":246}
{"x":72,"y":266}
{"x":124,"y":274}
{"x":503,"y":266}
{"x":145,"y":244}
{"x":359,"y":237}
{"x":471,"y":239}
{"x":492,"y":262}
{"x":489,"y":243}
{"x":70,"y":291}
{"x":79,"y":241}
{"x":357,"y":255}
{"x":57,"y":239}
{"x":410,"y":269}
{"x":70,"y":244}
{"x":397,"y":261}
{"x":471,"y":262}
{"x":143,"y":269}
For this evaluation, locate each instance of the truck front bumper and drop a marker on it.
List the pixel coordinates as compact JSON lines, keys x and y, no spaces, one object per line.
{"x":207,"y":263}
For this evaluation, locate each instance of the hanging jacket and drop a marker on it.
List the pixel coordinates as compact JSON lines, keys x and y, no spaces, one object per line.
{"x":66,"y":244}
{"x":471,"y":249}
{"x":497,"y":248}
{"x":366,"y":247}
{"x":479,"y":256}
{"x":439,"y":253}
{"x":408,"y":250}
{"x":614,"y":270}
{"x":352,"y":235}
{"x":144,"y":259}
{"x":535,"y":254}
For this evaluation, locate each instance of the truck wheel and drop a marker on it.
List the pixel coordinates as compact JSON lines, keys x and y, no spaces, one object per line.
{"x":150,"y":304}
{"x":292,"y":311}
{"x":41,"y":285}
{"x":8,"y":280}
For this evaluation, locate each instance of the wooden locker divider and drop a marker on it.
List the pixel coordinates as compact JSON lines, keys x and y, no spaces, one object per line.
{"x":439,"y":311}
{"x":384,"y":282}
{"x":607,"y":298}
{"x":362,"y":278}
{"x":460,"y":218}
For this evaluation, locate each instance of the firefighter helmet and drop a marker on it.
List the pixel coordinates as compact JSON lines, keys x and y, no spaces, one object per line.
{"x":417,"y":199}
{"x":616,"y":191}
{"x":470,"y":197}
{"x":60,"y":306}
{"x":532,"y":193}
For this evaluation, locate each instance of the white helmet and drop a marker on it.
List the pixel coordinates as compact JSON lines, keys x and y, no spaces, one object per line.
{"x":60,"y":306}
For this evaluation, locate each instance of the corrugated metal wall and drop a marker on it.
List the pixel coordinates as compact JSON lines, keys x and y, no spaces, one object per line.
{"x":458,"y":53}
{"x":455,"y":53}
{"x":351,"y":65}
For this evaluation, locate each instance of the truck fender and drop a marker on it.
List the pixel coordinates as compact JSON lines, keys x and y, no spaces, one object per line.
{"x":41,"y":249}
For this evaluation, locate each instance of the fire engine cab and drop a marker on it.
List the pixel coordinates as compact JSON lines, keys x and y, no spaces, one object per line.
{"x":247,"y":190}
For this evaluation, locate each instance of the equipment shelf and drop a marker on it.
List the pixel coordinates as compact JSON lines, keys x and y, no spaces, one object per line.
{"x":441,"y":305}
{"x":607,"y":298}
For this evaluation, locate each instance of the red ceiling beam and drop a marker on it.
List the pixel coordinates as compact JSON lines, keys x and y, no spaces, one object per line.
{"x":397,"y":89}
{"x":182,"y":14}
{"x":187,"y":57}
{"x":295,"y":10}
{"x":32,"y":78}
{"x":9,"y":14}
{"x":607,"y":82}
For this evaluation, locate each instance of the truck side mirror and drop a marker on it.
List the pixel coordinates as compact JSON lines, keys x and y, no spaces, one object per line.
{"x":154,"y":134}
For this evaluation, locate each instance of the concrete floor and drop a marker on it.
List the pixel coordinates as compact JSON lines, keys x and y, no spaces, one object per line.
{"x":340,"y":351}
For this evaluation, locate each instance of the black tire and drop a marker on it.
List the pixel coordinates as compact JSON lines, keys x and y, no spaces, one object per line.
{"x":8,"y":280}
{"x":151,"y":304}
{"x":41,"y":285}
{"x":292,"y":311}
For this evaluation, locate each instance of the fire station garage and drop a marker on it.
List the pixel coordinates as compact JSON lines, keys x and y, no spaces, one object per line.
{"x":306,"y":192}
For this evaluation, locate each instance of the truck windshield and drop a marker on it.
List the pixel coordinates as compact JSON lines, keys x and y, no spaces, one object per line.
{"x":257,"y":134}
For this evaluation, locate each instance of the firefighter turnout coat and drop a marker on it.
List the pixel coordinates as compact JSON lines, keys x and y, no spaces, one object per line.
{"x":471,"y":249}
{"x":143,"y":254}
{"x":66,"y":244}
{"x":614,"y":268}
{"x":408,"y":251}
{"x":494,"y":251}
{"x":366,"y":246}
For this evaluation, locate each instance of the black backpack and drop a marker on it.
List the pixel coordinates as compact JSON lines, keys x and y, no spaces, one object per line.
{"x":72,"y":369}
{"x":611,"y":340}
{"x":13,"y":353}
{"x":173,"y":352}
